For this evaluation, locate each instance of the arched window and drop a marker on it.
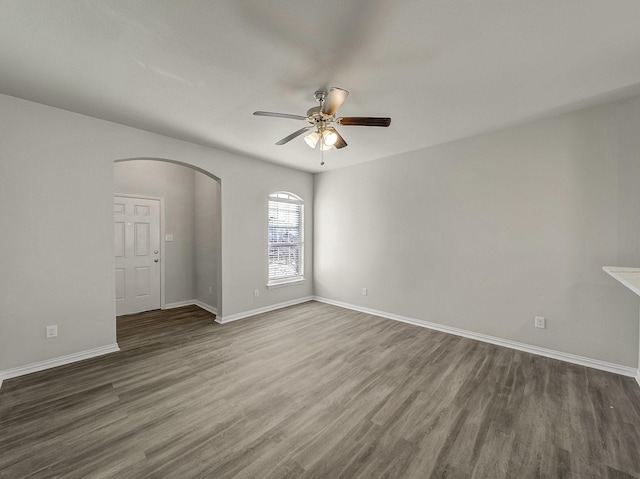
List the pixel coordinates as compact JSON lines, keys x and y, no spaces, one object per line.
{"x":286,"y":238}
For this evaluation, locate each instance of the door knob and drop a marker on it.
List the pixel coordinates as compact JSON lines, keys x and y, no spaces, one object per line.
{"x":156,"y":260}
{"x":156,"y":251}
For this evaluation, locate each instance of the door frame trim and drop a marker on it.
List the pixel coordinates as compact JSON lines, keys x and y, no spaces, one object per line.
{"x":162,"y":237}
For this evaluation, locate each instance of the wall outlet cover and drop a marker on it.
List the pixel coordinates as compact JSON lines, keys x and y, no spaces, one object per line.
{"x":52,"y":331}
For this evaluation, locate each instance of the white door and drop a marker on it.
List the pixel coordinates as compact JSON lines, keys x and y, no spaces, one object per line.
{"x":137,"y":245}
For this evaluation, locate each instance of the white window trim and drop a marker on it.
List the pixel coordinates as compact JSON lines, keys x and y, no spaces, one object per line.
{"x":287,"y":282}
{"x":292,"y":280}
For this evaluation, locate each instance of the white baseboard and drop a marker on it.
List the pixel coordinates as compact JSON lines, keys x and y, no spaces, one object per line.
{"x":192,"y":302}
{"x":60,"y":361}
{"x":549,"y":353}
{"x":112,"y":348}
{"x":265,"y":309}
{"x":206,"y":307}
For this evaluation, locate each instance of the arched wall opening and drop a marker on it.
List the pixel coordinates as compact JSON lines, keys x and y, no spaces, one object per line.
{"x":189,"y":253}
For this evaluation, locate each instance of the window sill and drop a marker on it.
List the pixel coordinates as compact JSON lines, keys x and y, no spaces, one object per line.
{"x":280,"y":284}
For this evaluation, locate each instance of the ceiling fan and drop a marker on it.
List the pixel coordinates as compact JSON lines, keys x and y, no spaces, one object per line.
{"x":323,"y":119}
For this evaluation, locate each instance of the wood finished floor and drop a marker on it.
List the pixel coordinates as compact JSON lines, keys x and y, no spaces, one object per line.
{"x":315,"y":391}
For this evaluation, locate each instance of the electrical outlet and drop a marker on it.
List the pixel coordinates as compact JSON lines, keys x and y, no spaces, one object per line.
{"x":256,"y":293}
{"x":52,"y":331}
{"x":364,"y":291}
{"x":540,"y":322}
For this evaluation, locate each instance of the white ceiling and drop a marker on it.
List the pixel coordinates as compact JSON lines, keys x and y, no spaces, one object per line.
{"x":197,"y":69}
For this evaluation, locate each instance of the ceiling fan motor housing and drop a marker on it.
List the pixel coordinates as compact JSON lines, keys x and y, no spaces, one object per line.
{"x":313,"y":111}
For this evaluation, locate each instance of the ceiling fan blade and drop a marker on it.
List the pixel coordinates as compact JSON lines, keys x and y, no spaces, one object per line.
{"x":340,"y":143}
{"x":334,"y":99}
{"x":364,"y":121}
{"x":287,"y":139}
{"x":279,"y":115}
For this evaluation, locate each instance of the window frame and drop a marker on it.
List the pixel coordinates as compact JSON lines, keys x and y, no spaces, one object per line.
{"x":288,"y":198}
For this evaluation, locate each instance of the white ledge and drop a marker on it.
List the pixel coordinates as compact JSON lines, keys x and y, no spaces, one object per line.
{"x":630,"y":277}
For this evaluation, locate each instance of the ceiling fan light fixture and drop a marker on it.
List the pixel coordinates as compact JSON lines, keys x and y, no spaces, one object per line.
{"x":329,"y":137}
{"x":324,"y":146}
{"x":312,"y":139}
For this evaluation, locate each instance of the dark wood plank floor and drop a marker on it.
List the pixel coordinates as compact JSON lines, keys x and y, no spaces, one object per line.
{"x":315,"y":391}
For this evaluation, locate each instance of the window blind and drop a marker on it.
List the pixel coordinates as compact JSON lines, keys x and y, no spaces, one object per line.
{"x":286,"y":242}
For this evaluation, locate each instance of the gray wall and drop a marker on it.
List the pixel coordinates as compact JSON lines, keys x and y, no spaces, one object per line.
{"x":485,"y":233}
{"x":175,"y":184}
{"x":206,"y":239}
{"x":56,"y":253}
{"x":480,"y":234}
{"x":191,"y":216}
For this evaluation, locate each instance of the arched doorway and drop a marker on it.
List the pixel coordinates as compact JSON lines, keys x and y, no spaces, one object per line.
{"x":187,"y":258}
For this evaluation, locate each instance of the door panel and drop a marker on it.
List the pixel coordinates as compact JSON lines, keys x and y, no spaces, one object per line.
{"x":142,"y":282}
{"x":141,"y":210}
{"x":137,"y":251}
{"x":142,"y":239}
{"x":119,"y":238}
